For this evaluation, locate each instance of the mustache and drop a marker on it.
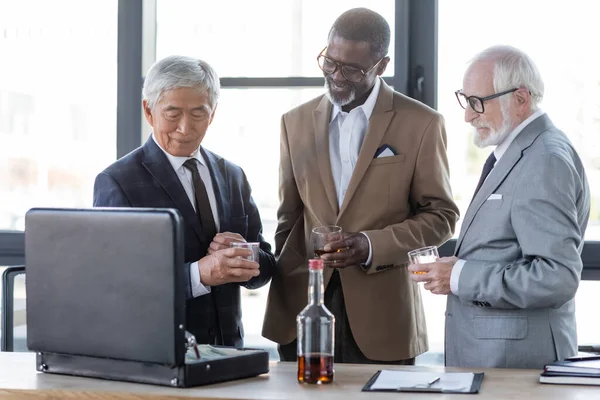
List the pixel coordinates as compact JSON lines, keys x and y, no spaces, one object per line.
{"x":481,"y":124}
{"x":330,"y":81}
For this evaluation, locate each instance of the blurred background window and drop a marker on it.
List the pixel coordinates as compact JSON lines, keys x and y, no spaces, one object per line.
{"x":58,"y":80}
{"x":58,"y":94}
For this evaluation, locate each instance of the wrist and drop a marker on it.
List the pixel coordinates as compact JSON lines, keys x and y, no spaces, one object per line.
{"x":204,"y":271}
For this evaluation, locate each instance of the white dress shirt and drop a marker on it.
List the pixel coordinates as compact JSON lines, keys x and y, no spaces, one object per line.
{"x":185,"y":177}
{"x":498,"y":153}
{"x":346,"y":135}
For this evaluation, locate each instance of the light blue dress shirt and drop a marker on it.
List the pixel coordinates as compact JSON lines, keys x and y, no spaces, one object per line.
{"x":185,"y":177}
{"x":347,"y":131}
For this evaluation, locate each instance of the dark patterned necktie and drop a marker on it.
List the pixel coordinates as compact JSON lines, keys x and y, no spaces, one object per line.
{"x":487,"y":168}
{"x":202,"y":203}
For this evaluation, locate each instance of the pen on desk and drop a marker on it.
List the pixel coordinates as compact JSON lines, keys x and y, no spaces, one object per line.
{"x":584,"y":358}
{"x":431,"y":382}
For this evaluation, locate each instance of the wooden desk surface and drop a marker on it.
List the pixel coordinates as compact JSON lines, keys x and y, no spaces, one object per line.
{"x":20,"y":380}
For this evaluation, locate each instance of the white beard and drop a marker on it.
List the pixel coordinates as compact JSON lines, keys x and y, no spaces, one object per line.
{"x":339,"y":101}
{"x":495,"y":137}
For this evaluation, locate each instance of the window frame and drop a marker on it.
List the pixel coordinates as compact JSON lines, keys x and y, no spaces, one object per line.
{"x":415,"y":74}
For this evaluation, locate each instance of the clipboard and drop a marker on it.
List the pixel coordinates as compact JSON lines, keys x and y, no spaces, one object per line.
{"x":475,"y":386}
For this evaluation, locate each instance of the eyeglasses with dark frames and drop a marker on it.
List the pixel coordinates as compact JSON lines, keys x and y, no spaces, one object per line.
{"x":352,"y":74}
{"x":475,"y":102}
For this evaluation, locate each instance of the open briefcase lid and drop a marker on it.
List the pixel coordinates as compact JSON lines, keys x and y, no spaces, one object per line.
{"x":105,"y":298}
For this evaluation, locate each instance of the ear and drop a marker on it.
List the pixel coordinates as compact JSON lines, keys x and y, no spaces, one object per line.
{"x":522,"y":98}
{"x":212,"y":115}
{"x":147,"y":112}
{"x":383,"y":65}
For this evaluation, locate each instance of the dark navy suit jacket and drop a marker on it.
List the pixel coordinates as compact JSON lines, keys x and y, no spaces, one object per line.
{"x":145,"y":178}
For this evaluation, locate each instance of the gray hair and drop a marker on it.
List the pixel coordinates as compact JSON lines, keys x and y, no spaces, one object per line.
{"x":179,"y":71}
{"x":513,"y":69}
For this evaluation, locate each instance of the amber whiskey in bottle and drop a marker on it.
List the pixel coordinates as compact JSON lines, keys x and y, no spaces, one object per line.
{"x":316,"y":327}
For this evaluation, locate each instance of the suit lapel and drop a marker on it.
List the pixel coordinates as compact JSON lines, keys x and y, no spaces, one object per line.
{"x":502,"y":168}
{"x":378,"y":124}
{"x":494,"y":179}
{"x":218,"y":174}
{"x":159,"y":167}
{"x":321,"y":117}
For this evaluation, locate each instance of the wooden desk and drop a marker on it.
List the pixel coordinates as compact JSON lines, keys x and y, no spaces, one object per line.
{"x":20,"y":380}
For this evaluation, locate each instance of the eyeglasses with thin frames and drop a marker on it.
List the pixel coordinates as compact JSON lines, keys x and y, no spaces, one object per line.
{"x":352,"y":74}
{"x":475,"y":102}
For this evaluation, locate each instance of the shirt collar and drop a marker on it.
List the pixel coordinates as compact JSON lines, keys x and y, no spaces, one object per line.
{"x":177,"y":162}
{"x":367,"y":107}
{"x":502,"y":147}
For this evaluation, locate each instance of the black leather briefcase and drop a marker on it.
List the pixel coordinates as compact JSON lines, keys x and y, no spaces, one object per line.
{"x":105,"y":299}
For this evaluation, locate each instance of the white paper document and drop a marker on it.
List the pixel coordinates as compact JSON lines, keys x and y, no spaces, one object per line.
{"x":449,"y":381}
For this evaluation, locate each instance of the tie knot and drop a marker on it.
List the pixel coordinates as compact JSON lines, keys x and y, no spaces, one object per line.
{"x":487,"y":168}
{"x":191,"y":164}
{"x":491,"y":160}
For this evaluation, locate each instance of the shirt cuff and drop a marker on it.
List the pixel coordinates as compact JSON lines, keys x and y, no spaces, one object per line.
{"x":458,"y":266}
{"x":370,"y":258}
{"x":198,"y":289}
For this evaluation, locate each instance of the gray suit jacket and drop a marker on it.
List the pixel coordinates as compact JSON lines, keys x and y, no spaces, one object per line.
{"x":515,"y":305}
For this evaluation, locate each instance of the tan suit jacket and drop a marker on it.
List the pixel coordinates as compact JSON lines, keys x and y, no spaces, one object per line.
{"x":401,"y":202}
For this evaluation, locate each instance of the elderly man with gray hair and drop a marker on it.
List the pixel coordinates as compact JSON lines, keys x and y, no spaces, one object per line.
{"x":173,"y":170}
{"x":512,"y":284}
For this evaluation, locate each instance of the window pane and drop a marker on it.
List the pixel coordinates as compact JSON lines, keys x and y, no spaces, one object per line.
{"x":435,"y":311}
{"x":262,"y":38}
{"x":586,"y":312}
{"x":246,"y":131}
{"x":57,"y":102}
{"x":571,"y":73}
{"x":19,"y":312}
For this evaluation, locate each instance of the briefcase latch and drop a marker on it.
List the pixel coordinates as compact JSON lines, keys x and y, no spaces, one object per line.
{"x":191,"y":343}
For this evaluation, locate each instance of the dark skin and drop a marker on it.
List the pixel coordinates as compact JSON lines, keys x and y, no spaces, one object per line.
{"x":354,"y":246}
{"x":354,"y":250}
{"x":359,"y":55}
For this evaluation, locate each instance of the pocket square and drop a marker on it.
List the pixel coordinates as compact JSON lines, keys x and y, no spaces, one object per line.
{"x":384,"y":151}
{"x":495,"y":196}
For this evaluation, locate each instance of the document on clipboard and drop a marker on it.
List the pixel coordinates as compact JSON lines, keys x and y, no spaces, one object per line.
{"x":429,"y":382}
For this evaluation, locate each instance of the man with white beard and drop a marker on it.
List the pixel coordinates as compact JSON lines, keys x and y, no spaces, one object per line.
{"x":372,"y":161}
{"x":512,"y":283}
